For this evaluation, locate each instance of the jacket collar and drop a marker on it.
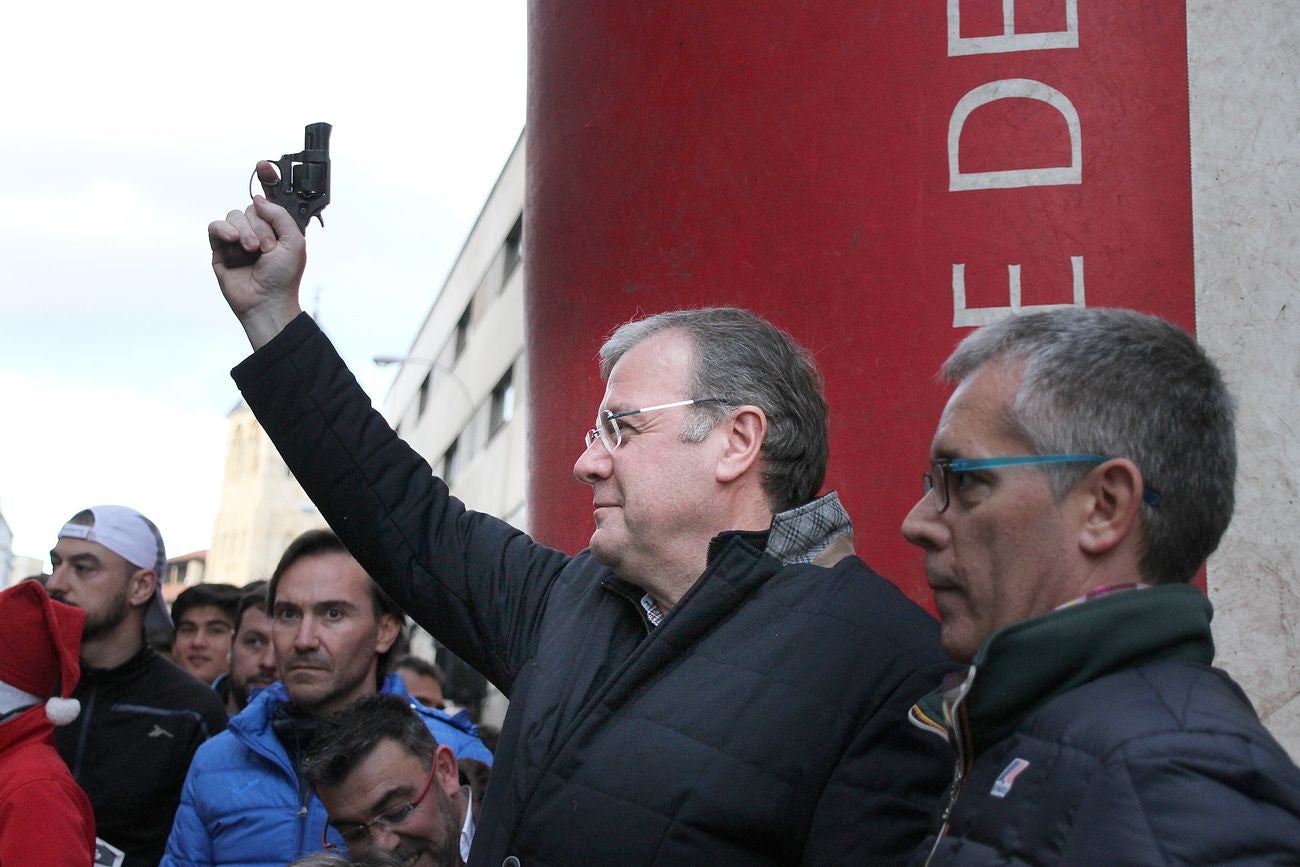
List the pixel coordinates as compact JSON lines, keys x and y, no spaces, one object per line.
{"x":817,"y":532}
{"x":1022,"y":666}
{"x":136,"y":663}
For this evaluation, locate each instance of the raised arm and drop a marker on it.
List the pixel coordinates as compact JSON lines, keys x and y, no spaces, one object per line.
{"x":258,"y":255}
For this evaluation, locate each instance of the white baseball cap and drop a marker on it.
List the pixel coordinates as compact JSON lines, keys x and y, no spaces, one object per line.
{"x":135,"y":539}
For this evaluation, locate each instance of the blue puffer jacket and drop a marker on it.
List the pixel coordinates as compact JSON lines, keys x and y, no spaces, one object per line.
{"x":243,"y":802}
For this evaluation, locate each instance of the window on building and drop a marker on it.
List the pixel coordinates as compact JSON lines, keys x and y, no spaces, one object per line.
{"x":451,"y":461}
{"x":514,"y":249}
{"x":462,"y":330}
{"x":422,"y":399}
{"x":503,"y":402}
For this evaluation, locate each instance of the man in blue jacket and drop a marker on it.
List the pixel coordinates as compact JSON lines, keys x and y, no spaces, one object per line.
{"x":1081,"y":474}
{"x":244,"y":801}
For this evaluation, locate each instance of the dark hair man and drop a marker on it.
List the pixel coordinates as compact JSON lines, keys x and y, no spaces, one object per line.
{"x":204,"y":616}
{"x":423,"y":680}
{"x":717,"y":679}
{"x":389,"y":786}
{"x":331,"y":626}
{"x":1082,"y":472}
{"x":252,"y":655}
{"x":142,"y":717}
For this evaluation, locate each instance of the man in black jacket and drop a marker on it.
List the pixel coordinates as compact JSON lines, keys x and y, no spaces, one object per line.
{"x":142,"y":717}
{"x":1082,"y":472}
{"x":717,"y":679}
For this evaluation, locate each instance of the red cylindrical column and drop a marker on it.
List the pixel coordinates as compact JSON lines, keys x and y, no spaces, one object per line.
{"x":873,"y":177}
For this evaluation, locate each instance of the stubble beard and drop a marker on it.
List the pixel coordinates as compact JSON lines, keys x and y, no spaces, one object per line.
{"x":445,"y":853}
{"x":102,"y":622}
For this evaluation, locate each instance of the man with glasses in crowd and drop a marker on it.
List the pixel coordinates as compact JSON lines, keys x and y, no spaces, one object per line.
{"x":389,"y":786}
{"x":1082,"y":472}
{"x":717,"y":679}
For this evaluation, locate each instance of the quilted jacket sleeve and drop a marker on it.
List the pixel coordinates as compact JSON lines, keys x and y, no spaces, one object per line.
{"x":878,"y":803}
{"x":189,"y":844}
{"x":477,"y":584}
{"x":1190,"y":798}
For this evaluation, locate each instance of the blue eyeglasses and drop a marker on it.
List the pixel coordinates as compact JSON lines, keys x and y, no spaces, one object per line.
{"x":940,"y":492}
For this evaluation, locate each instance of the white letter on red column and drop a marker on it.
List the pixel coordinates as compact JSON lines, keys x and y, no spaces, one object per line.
{"x":1010,"y":40}
{"x":1023,"y":88}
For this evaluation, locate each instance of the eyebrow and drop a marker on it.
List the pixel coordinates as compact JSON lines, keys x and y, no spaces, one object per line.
{"x":84,"y":557}
{"x":315,"y":607}
{"x":334,"y":603}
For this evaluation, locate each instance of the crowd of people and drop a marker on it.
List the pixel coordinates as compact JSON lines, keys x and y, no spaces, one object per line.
{"x":718,"y":678}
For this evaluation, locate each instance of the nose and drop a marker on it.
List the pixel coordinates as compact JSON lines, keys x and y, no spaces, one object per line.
{"x":305,"y":637}
{"x":923,"y":526}
{"x":593,"y":464}
{"x":266,"y":661}
{"x":385,"y":839}
{"x":58,"y":582}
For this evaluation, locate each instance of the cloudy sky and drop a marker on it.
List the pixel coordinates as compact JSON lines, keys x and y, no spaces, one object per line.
{"x":125,"y":129}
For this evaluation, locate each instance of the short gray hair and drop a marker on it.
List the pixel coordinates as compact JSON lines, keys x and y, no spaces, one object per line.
{"x":745,"y":359}
{"x":1123,"y":384}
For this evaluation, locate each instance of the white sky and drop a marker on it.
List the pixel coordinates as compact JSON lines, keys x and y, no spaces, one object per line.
{"x":125,"y":128}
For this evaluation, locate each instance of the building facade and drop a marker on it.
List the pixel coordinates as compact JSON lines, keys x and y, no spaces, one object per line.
{"x":458,"y":396}
{"x":263,"y":508}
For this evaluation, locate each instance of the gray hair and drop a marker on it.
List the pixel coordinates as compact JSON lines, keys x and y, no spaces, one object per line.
{"x":1123,"y":384}
{"x":373,"y":858}
{"x":744,"y":359}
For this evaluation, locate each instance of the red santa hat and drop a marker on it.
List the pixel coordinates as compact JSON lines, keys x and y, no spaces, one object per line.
{"x":39,"y":645}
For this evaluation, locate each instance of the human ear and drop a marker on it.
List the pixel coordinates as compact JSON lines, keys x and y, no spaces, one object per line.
{"x":1111,"y":497}
{"x":446,"y":771}
{"x":142,"y":584}
{"x":389,"y":627}
{"x":745,"y":429}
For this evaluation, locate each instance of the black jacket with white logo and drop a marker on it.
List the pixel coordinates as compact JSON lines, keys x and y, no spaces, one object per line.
{"x":129,"y":749}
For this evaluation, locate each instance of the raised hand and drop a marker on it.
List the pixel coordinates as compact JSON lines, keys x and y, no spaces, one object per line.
{"x":258,"y":255}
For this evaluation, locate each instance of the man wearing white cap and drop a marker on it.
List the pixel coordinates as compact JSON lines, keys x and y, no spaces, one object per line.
{"x":142,"y":716}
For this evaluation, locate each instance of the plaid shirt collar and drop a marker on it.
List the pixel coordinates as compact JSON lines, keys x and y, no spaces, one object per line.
{"x":797,"y":535}
{"x":800,"y":534}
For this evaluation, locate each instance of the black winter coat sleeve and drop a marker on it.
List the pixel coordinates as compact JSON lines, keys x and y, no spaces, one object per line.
{"x":473,"y":581}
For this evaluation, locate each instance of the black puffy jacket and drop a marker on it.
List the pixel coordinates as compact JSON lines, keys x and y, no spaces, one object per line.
{"x":1099,"y":734}
{"x":763,"y":722}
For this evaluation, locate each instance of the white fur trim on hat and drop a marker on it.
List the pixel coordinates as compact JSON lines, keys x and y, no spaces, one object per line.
{"x":13,"y":698}
{"x":62,"y":711}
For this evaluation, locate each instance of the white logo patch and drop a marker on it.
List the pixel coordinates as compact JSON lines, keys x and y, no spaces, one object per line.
{"x":1007,"y":778}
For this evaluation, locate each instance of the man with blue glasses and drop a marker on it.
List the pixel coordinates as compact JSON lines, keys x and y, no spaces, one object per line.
{"x":1081,"y":473}
{"x":717,"y":678}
